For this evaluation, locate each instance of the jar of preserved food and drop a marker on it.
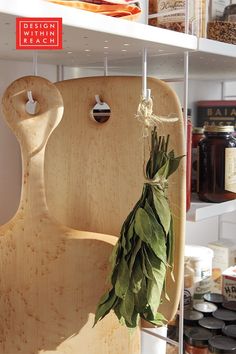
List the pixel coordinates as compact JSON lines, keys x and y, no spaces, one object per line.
{"x":229,"y":331}
{"x":217,"y":164}
{"x":229,"y":305}
{"x":222,"y":345}
{"x":229,"y":317}
{"x":192,"y":317}
{"x":215,"y":298}
{"x":196,"y":340}
{"x":196,"y":137}
{"x":212,"y":324}
{"x":207,"y":308}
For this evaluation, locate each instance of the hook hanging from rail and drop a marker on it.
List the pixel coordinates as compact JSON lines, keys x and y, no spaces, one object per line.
{"x":145,"y":93}
{"x":145,"y":113}
{"x":32,"y":105}
{"x":105,"y":66}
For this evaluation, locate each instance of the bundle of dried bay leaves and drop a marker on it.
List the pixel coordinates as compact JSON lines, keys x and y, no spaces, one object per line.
{"x":145,"y":247}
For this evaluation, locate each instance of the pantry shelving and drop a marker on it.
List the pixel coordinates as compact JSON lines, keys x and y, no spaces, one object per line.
{"x":88,"y":37}
{"x":200,"y":210}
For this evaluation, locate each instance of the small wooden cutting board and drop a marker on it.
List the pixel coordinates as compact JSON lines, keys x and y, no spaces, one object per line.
{"x":94,"y":172}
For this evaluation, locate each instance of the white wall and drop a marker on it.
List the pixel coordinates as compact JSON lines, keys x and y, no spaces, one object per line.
{"x":10,"y":161}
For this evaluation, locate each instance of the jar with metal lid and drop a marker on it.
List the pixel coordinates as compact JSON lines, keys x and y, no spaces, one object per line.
{"x":214,"y":298}
{"x":217,"y":164}
{"x":230,"y":331}
{"x":197,"y":135}
{"x":196,"y":340}
{"x":222,"y":345}
{"x":212,"y":324}
{"x":207,"y":308}
{"x":229,"y":317}
{"x":192,"y":317}
{"x":229,"y":305}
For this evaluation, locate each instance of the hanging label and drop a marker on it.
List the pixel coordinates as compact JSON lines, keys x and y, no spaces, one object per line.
{"x":230,"y":169}
{"x":39,"y":33}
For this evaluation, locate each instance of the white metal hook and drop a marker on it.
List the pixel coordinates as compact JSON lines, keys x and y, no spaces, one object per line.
{"x":146,"y":93}
{"x":30,"y":96}
{"x":105,"y":66}
{"x":97,"y":99}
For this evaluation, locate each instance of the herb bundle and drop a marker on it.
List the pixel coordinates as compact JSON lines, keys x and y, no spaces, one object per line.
{"x":145,"y":247}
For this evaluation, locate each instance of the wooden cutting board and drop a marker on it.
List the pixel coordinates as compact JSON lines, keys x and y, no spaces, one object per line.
{"x":51,"y":276}
{"x":94,"y":171}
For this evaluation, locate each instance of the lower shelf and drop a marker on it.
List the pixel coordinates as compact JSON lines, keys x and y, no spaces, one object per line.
{"x":201,"y":210}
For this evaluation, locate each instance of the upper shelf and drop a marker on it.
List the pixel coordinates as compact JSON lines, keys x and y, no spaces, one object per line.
{"x":88,"y":37}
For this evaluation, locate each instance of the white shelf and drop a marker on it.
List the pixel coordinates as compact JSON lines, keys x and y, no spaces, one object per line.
{"x":201,"y":211}
{"x":217,"y":48}
{"x":86,"y":30}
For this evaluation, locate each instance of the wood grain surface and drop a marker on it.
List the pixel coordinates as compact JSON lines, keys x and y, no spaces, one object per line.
{"x":94,"y":172}
{"x":51,"y":275}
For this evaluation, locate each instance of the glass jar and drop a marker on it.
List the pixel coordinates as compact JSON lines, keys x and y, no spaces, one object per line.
{"x":229,"y":305}
{"x":229,"y":331}
{"x":192,"y":317}
{"x":217,"y":164}
{"x":207,"y":308}
{"x":229,"y":317}
{"x":222,"y":21}
{"x":171,"y":14}
{"x":212,"y":324}
{"x":197,"y":136}
{"x":222,"y":345}
{"x":215,"y":298}
{"x":196,"y":340}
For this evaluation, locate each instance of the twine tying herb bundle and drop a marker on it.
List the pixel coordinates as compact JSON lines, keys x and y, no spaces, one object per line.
{"x":145,"y":247}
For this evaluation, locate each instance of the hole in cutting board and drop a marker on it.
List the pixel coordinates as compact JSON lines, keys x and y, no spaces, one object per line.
{"x":101,"y":112}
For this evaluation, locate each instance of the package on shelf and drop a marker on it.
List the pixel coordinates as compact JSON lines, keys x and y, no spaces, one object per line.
{"x":216,"y":111}
{"x":224,"y":257}
{"x":222,"y":21}
{"x":200,"y":260}
{"x":170,"y":14}
{"x":229,"y":283}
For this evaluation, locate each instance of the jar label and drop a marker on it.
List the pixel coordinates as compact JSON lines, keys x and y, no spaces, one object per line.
{"x":230,"y":169}
{"x":171,"y":15}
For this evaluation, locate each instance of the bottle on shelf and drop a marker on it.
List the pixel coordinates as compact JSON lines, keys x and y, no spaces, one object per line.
{"x":217,"y":164}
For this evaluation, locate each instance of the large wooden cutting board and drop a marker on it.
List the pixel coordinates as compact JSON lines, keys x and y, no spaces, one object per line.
{"x":94,"y":171}
{"x":51,"y":276}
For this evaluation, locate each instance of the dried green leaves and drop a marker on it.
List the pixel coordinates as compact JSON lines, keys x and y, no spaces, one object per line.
{"x":145,"y":247}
